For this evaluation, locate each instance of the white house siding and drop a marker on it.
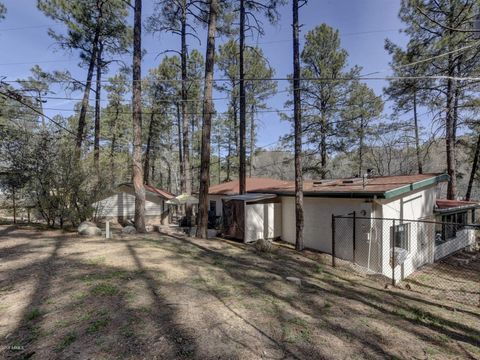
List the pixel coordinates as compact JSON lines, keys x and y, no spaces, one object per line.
{"x":317,"y":232}
{"x":464,"y":238}
{"x":123,"y":205}
{"x":416,"y":206}
{"x":255,"y":222}
{"x":218,"y":203}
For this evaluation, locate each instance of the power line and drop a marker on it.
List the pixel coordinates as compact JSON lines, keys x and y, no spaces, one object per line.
{"x":35,"y":62}
{"x":17,"y":97}
{"x":28,"y":27}
{"x":289,"y":79}
{"x":341,"y":36}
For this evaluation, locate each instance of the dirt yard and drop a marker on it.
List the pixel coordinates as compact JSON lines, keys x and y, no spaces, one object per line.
{"x":162,"y":297}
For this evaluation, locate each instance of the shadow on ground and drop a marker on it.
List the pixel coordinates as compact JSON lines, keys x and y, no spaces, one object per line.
{"x":169,"y":297}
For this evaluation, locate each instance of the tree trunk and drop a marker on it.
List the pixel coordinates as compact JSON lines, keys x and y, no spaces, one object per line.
{"x":113,"y":145}
{"x":146,"y":163}
{"x":137,"y":120}
{"x":202,"y":228}
{"x":14,"y":204}
{"x":169,"y":177}
{"x":219,"y":160}
{"x":323,"y":149}
{"x":450,"y":137}
{"x":180,"y":149}
{"x":86,"y":93}
{"x":252,"y":139}
{"x":98,"y":90}
{"x":417,"y":134}
{"x":242,"y":171}
{"x":235,"y":125}
{"x":297,"y":113}
{"x":360,"y":147}
{"x":229,"y":154}
{"x":187,"y":171}
{"x":471,"y":180}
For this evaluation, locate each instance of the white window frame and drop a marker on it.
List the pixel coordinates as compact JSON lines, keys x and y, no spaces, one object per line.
{"x":394,"y":231}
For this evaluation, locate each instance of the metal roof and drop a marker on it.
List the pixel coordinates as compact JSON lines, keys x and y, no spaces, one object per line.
{"x":383,"y":187}
{"x":250,"y":197}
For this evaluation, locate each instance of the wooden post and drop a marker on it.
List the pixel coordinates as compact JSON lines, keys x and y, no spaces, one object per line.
{"x":354,"y":234}
{"x":28,"y":215}
{"x":393,"y":253}
{"x":14,"y":206}
{"x":333,"y":240}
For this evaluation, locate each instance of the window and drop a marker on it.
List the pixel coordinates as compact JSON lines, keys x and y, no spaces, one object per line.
{"x":453,"y":223}
{"x":401,"y":236}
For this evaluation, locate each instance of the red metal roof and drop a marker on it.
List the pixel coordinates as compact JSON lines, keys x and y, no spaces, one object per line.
{"x":380,"y":184}
{"x":448,"y":204}
{"x":253,"y":185}
{"x":160,"y":192}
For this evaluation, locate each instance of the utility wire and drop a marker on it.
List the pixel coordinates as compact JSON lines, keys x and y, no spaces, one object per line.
{"x":289,"y":79}
{"x":17,"y":97}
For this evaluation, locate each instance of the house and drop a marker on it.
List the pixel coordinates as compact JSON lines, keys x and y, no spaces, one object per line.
{"x":391,"y":212}
{"x":401,"y":197}
{"x":120,"y":206}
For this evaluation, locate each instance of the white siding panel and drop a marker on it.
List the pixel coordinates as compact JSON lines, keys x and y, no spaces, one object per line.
{"x":123,"y":205}
{"x":218,"y":203}
{"x":255,"y":221}
{"x":317,"y":232}
{"x":415,"y":206}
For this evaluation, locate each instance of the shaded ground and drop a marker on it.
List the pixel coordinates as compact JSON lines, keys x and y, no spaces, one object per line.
{"x":158,"y":296}
{"x":450,"y":280}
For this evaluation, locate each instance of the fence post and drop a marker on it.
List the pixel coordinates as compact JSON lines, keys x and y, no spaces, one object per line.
{"x":333,"y":240}
{"x":354,"y":234}
{"x":393,"y":253}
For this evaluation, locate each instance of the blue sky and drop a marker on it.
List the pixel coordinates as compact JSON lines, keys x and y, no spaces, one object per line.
{"x":363,"y":27}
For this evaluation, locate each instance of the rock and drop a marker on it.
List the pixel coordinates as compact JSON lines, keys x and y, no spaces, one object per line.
{"x":263,"y":245}
{"x":211,"y":233}
{"x":294,"y":280}
{"x":90,"y":231}
{"x":85,"y":224}
{"x":149,"y":228}
{"x":129,"y":230}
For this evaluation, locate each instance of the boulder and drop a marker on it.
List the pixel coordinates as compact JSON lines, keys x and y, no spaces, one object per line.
{"x":129,"y":230}
{"x":90,"y":231}
{"x":263,"y":245}
{"x":149,"y":228}
{"x":84,"y":225}
{"x":295,"y":280}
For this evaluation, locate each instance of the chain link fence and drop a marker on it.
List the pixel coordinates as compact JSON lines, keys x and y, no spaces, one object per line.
{"x":438,"y":258}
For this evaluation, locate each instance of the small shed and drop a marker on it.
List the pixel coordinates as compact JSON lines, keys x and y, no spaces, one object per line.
{"x":250,"y":217}
{"x":120,"y":205}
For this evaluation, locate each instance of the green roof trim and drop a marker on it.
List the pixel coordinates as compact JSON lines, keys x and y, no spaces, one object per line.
{"x":416,"y":186}
{"x":363,"y":194}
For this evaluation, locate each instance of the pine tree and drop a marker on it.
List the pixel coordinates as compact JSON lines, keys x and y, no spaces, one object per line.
{"x":88,"y":22}
{"x":324,"y":95}
{"x":249,"y":10}
{"x":297,"y":111}
{"x":208,"y":109}
{"x":137,"y":120}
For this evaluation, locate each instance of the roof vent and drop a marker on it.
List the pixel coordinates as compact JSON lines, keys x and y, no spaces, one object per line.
{"x":322,"y":182}
{"x":351,"y":181}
